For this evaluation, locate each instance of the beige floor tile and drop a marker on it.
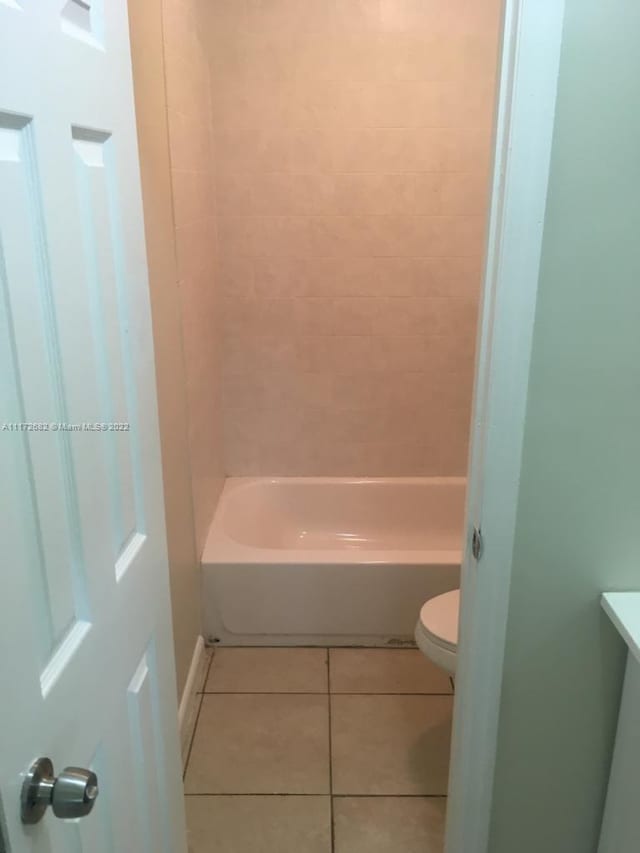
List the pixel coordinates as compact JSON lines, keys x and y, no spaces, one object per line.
{"x":385,"y":671}
{"x":268,"y":671}
{"x":259,"y":824}
{"x":390,"y":744}
{"x":260,"y":744}
{"x":386,"y":824}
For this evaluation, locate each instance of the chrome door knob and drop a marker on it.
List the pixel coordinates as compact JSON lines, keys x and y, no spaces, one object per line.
{"x":70,"y":795}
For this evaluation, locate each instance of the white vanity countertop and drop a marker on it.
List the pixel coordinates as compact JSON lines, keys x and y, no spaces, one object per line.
{"x":623,"y":608}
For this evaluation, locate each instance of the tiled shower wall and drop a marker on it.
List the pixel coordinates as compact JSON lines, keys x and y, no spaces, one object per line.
{"x":352,"y":143}
{"x":191,"y":152}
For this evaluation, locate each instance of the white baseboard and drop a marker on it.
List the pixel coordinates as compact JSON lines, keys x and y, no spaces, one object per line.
{"x":189,"y":702}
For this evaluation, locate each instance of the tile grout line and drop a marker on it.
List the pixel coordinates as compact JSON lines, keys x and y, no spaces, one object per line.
{"x":328,"y":692}
{"x":409,"y":648}
{"x":195,"y":728}
{"x":332,"y":825}
{"x":193,"y":737}
{"x":310,"y":693}
{"x":320,"y":795}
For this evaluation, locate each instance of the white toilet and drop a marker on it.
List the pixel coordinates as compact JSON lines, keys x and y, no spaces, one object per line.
{"x":437,"y":629}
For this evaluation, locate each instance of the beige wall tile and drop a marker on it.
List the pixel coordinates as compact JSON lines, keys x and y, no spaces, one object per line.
{"x":192,"y":176}
{"x":287,"y":16}
{"x":190,"y":140}
{"x":236,"y":275}
{"x":192,"y":197}
{"x":352,"y":143}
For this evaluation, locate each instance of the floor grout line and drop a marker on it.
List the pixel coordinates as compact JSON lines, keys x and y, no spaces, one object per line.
{"x":209,"y":667}
{"x":333,"y":828}
{"x":390,"y":796}
{"x":329,"y":694}
{"x":393,"y":694}
{"x":193,"y":737}
{"x":410,"y":647}
{"x":325,"y":794}
{"x":195,"y":728}
{"x":308,"y":693}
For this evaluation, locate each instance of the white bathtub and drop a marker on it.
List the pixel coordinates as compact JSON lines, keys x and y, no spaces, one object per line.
{"x":329,"y":561}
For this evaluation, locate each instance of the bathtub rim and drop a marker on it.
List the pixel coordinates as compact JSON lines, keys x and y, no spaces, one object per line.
{"x":221,"y":548}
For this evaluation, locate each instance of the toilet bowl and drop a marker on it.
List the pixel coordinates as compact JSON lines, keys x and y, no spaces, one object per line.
{"x":437,"y":629}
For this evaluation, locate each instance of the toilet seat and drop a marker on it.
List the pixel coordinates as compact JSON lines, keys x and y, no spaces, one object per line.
{"x":437,"y":629}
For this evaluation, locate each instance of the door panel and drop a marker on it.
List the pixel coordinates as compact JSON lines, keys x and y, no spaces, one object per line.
{"x":147,"y":747}
{"x":86,"y":654}
{"x":103,"y":249}
{"x":50,"y":530}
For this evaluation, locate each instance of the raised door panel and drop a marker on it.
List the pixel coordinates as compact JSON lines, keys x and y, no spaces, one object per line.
{"x":97,"y":190}
{"x":34,"y":406}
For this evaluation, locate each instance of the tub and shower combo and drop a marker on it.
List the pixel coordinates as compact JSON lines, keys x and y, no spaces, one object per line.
{"x":329,"y":561}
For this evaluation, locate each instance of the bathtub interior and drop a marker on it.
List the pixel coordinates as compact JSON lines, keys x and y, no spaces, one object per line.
{"x":300,"y":514}
{"x":299,"y":561}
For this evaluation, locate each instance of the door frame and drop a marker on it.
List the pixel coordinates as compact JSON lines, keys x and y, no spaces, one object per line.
{"x":528,"y":82}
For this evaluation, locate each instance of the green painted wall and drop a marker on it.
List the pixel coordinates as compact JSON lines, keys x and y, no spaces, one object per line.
{"x":578,"y":529}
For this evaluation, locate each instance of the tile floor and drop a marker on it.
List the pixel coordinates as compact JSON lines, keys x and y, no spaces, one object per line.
{"x":320,"y":751}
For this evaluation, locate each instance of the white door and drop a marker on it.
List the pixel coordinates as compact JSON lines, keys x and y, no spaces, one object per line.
{"x":86,"y":660}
